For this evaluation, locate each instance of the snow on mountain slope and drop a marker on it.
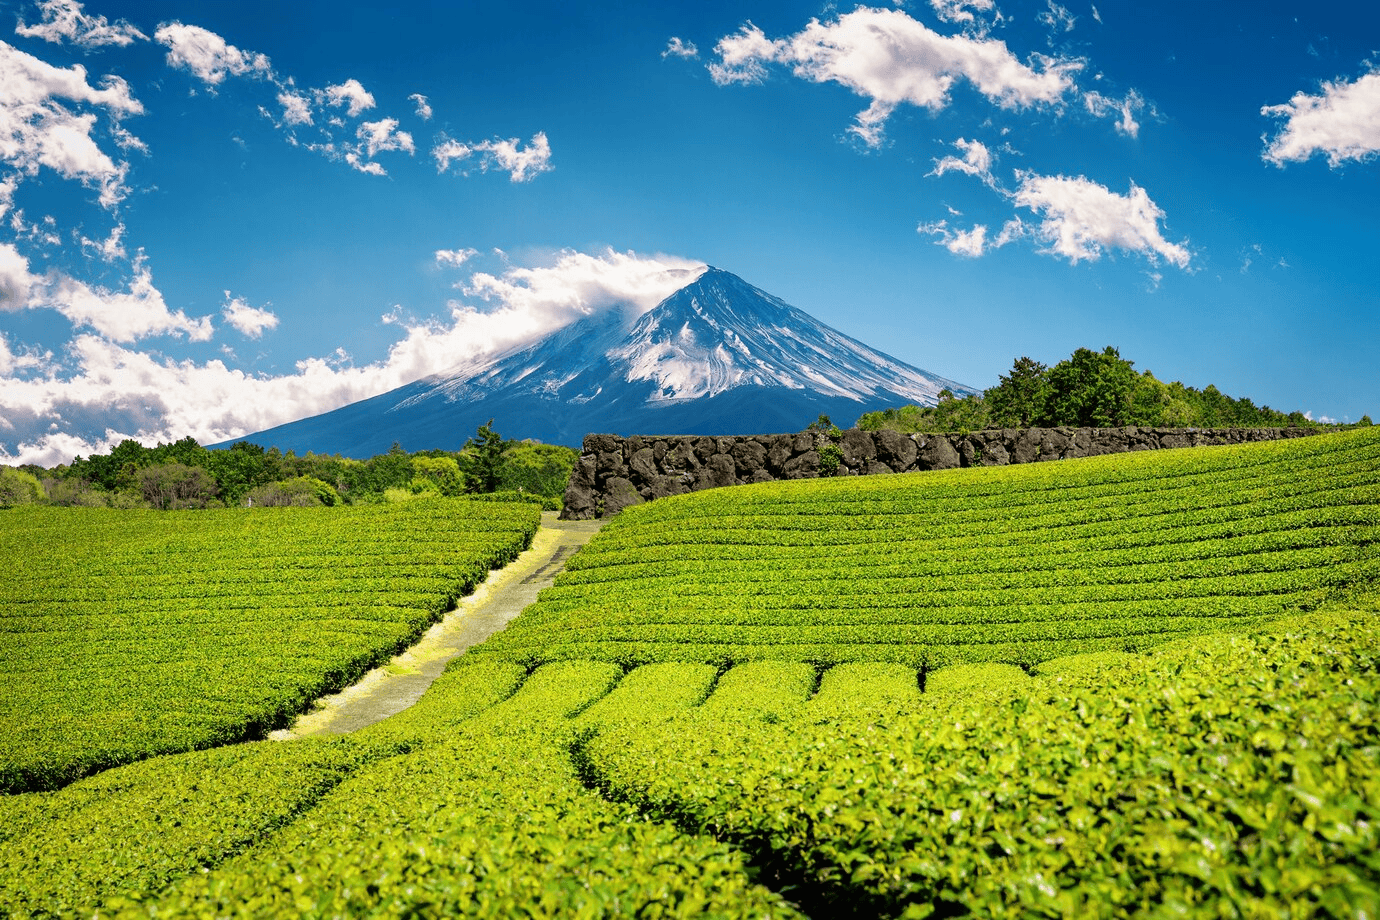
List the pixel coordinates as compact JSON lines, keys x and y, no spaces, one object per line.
{"x":719,"y":356}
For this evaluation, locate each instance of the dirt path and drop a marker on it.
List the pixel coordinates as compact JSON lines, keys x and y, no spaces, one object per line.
{"x":400,"y":683}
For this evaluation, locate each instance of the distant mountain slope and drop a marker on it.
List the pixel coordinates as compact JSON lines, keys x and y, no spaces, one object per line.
{"x":719,"y":356}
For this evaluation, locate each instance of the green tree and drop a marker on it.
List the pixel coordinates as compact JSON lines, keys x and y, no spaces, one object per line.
{"x":244,"y":466}
{"x":537,"y":469}
{"x":1090,"y":389}
{"x":441,"y":472}
{"x":298,"y":492}
{"x":19,"y":488}
{"x":481,"y":460}
{"x":1019,"y":399}
{"x":963,"y":415}
{"x":169,"y":486}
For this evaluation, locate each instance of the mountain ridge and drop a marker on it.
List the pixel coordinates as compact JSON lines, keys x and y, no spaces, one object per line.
{"x":718,"y":356}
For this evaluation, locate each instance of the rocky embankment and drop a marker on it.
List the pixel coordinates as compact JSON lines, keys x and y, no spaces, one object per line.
{"x":614,"y":472}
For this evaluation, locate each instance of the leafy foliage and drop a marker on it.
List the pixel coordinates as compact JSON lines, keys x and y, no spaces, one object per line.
{"x":129,"y":634}
{"x":1205,"y":753}
{"x":186,"y":475}
{"x":482,"y":459}
{"x":1012,"y":564}
{"x":1222,"y":776}
{"x":19,"y":487}
{"x":467,"y":804}
{"x":1087,"y":389}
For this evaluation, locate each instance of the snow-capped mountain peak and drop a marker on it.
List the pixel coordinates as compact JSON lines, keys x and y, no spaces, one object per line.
{"x":718,"y":356}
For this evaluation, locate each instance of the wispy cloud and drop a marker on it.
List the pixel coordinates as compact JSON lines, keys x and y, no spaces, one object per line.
{"x":48,"y":119}
{"x":522,"y":165}
{"x":423,"y":106}
{"x":976,"y":161}
{"x":350,"y":95}
{"x":150,"y":398}
{"x":66,"y":21}
{"x":677,"y":48}
{"x":969,"y":243}
{"x":1057,"y":18}
{"x":973,"y":16}
{"x":1343,"y":122}
{"x":454,"y":258}
{"x":207,"y":55}
{"x":891,"y":59}
{"x":1100,"y":106}
{"x":248,"y":321}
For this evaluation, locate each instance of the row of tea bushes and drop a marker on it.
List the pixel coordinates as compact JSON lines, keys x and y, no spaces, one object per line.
{"x":1012,"y":564}
{"x":125,"y":634}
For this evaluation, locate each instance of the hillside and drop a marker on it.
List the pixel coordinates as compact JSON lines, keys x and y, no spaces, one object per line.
{"x":1131,"y":685}
{"x":1016,"y":564}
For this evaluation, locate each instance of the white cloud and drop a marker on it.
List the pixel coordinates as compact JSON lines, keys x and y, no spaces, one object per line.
{"x":1057,"y":18}
{"x":109,"y":249}
{"x":962,"y":12}
{"x":296,"y":108}
{"x":16,"y":281}
{"x":970,"y":243}
{"x":38,"y":131}
{"x":123,"y":316}
{"x":365,"y":166}
{"x":448,"y":151}
{"x":454,"y":258}
{"x":677,"y":48}
{"x":207,"y":55}
{"x":1342,"y":122}
{"x":1100,"y":106}
{"x":64,"y":20}
{"x":1082,"y":218}
{"x":350,"y":94}
{"x":976,"y":161}
{"x":521,"y":165}
{"x":423,"y":106}
{"x":26,"y":360}
{"x":890,"y":58}
{"x":383,"y":135}
{"x":249,"y":321}
{"x":143,"y":396}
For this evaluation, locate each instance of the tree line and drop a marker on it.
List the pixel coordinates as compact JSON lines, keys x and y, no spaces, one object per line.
{"x":1089,"y":389}
{"x":185,"y":474}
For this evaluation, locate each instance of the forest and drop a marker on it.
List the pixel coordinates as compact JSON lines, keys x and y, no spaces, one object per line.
{"x":1089,"y":389}
{"x":185,"y":474}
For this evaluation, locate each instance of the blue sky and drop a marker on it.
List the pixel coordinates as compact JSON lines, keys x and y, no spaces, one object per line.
{"x":218,"y":217}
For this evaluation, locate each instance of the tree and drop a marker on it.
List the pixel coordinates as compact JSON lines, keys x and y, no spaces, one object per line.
{"x":19,"y":488}
{"x":169,"y":486}
{"x":1091,"y":390}
{"x":537,"y":469}
{"x":442,"y":472}
{"x":299,"y":492}
{"x":1019,"y":399}
{"x":240,"y":469}
{"x":481,"y":460}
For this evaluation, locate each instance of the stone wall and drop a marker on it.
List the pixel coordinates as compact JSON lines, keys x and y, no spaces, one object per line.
{"x":615,"y":472}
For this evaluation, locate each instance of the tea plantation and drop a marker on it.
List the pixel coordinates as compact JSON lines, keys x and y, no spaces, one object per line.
{"x":1134,"y":686}
{"x":130,"y":633}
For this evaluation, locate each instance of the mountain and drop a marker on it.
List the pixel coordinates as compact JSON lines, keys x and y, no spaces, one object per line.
{"x":719,"y":356}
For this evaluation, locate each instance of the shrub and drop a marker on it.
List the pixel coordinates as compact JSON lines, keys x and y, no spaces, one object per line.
{"x":300,"y":492}
{"x":19,"y":488}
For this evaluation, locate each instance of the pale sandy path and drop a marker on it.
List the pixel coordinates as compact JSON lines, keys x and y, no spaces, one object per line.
{"x":502,"y":596}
